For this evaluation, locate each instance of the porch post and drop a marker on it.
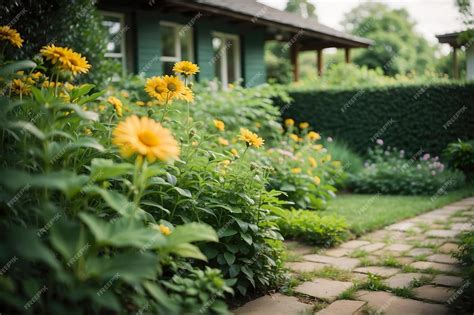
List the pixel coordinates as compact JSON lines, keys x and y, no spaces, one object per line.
{"x":319,"y":61}
{"x":294,"y":61}
{"x":347,"y":54}
{"x":455,"y":63}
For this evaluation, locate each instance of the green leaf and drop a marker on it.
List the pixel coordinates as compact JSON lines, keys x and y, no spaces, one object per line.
{"x":87,"y":143}
{"x":27,"y":126}
{"x":104,"y":169}
{"x":183,"y":192}
{"x":123,"y":232}
{"x":160,"y":296}
{"x":191,"y":232}
{"x":81,"y":91}
{"x":66,"y":237}
{"x":67,"y":182}
{"x":91,"y":97}
{"x":247,"y":238}
{"x":288,"y":187}
{"x":131,"y":267}
{"x":229,"y":258}
{"x":171,"y":179}
{"x":88,"y":115}
{"x":14,"y":67}
{"x":187,"y":250}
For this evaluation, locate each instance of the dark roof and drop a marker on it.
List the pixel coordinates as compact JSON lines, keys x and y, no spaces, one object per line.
{"x":262,"y":14}
{"x":450,"y":38}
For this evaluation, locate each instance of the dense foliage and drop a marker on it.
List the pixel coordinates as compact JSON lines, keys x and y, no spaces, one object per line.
{"x":460,"y":155}
{"x":389,"y":171}
{"x":313,"y":227}
{"x":464,"y":303}
{"x":409,"y":117}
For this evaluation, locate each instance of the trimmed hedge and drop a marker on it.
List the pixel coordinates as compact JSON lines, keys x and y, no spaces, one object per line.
{"x":409,"y":117}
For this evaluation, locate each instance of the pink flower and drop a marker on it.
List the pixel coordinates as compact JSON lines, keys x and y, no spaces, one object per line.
{"x":426,"y":157}
{"x":379,"y":141}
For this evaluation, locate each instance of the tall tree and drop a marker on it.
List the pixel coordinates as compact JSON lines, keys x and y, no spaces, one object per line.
{"x":398,"y":48}
{"x":303,"y":7}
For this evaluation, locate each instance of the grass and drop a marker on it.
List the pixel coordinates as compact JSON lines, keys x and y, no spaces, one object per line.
{"x":366,"y":213}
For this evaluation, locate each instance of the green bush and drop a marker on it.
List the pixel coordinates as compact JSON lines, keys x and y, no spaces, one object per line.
{"x":311,"y":227}
{"x":460,"y":156}
{"x":341,"y":151}
{"x":388,"y":171}
{"x":464,"y":303}
{"x":411,"y":117}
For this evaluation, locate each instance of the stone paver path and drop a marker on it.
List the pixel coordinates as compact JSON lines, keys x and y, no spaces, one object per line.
{"x":405,"y":268}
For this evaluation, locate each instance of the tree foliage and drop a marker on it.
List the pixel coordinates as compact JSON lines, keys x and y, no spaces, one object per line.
{"x":398,"y":48}
{"x":303,"y":7}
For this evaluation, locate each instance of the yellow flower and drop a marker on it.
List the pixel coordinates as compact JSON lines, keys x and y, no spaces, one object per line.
{"x":294,"y":137}
{"x":66,"y":59}
{"x":223,"y":141}
{"x":10,"y":34}
{"x":219,"y":124}
{"x":19,"y":86}
{"x":185,"y":68}
{"x":140,"y":103}
{"x":234,"y":152}
{"x":101,"y":107}
{"x":117,"y":105}
{"x":304,"y":125}
{"x":313,"y":136}
{"x":326,"y":158}
{"x":163,"y":229}
{"x":167,"y":88}
{"x":225,"y":163}
{"x":312,"y":161}
{"x":145,"y":137}
{"x":186,"y":95}
{"x":250,"y":138}
{"x":49,"y":84}
{"x":289,"y":122}
{"x":156,"y":88}
{"x":296,"y":170}
{"x":87,"y":132}
{"x":317,"y":180}
{"x":36,"y":75}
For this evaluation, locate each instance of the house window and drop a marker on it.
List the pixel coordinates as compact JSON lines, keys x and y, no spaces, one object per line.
{"x":176,"y":45}
{"x":114,"y":24}
{"x":226,"y":58}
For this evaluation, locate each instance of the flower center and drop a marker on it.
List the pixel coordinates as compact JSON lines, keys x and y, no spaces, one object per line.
{"x":158,"y":90}
{"x":148,"y":138}
{"x":171,"y":87}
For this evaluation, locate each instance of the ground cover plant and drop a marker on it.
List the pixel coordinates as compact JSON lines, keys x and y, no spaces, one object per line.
{"x":389,"y":171}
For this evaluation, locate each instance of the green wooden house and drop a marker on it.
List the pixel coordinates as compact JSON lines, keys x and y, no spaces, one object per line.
{"x":225,"y":37}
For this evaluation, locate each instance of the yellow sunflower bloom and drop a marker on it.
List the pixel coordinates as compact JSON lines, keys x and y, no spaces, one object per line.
{"x":145,"y":137}
{"x":304,"y":125}
{"x":66,"y":59}
{"x":296,"y":170}
{"x":20,"y":87}
{"x":219,"y":124}
{"x":250,"y":138}
{"x":185,"y":68}
{"x":313,"y":136}
{"x":186,"y":95}
{"x":11,"y":35}
{"x":156,"y":88}
{"x":289,"y":122}
{"x":312,"y":161}
{"x":294,"y":137}
{"x":117,"y":105}
{"x":234,"y":152}
{"x":317,"y":180}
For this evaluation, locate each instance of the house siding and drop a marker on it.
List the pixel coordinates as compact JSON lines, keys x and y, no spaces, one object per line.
{"x":148,"y":43}
{"x":253,"y":58}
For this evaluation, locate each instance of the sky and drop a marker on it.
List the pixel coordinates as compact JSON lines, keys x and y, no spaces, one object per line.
{"x":433,"y":17}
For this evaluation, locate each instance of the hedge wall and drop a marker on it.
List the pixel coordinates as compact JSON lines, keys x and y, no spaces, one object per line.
{"x":410,"y":117}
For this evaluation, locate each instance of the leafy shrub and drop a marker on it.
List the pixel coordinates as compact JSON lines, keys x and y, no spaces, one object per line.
{"x":341,"y":151}
{"x":460,"y":156}
{"x":112,"y":231}
{"x":309,"y":226}
{"x":466,"y":256}
{"x":390,"y":172}
{"x":411,"y":114}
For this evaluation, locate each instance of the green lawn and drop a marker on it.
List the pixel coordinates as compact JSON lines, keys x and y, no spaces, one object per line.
{"x":366,"y":213}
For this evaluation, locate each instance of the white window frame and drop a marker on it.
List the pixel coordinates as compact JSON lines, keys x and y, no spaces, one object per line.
{"x":223,"y":56}
{"x":177,"y":42}
{"x":123,"y":54}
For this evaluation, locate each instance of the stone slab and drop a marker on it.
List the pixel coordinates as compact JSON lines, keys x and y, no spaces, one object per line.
{"x":389,"y":304}
{"x":433,"y":293}
{"x":299,"y":248}
{"x":305,"y":266}
{"x":402,"y":280}
{"x":343,"y":307}
{"x":277,"y":304}
{"x":442,"y":233}
{"x":323,"y":289}
{"x":380,"y":271}
{"x":449,"y":248}
{"x":420,"y":251}
{"x":442,"y":258}
{"x":402,"y":226}
{"x":423,"y":265}
{"x":372,"y":247}
{"x":338,"y":252}
{"x":462,"y":227}
{"x":449,"y":281}
{"x":399,"y":247}
{"x":338,"y":262}
{"x":354,"y":244}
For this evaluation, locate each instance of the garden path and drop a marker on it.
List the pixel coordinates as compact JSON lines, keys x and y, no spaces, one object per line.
{"x":405,"y":268}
